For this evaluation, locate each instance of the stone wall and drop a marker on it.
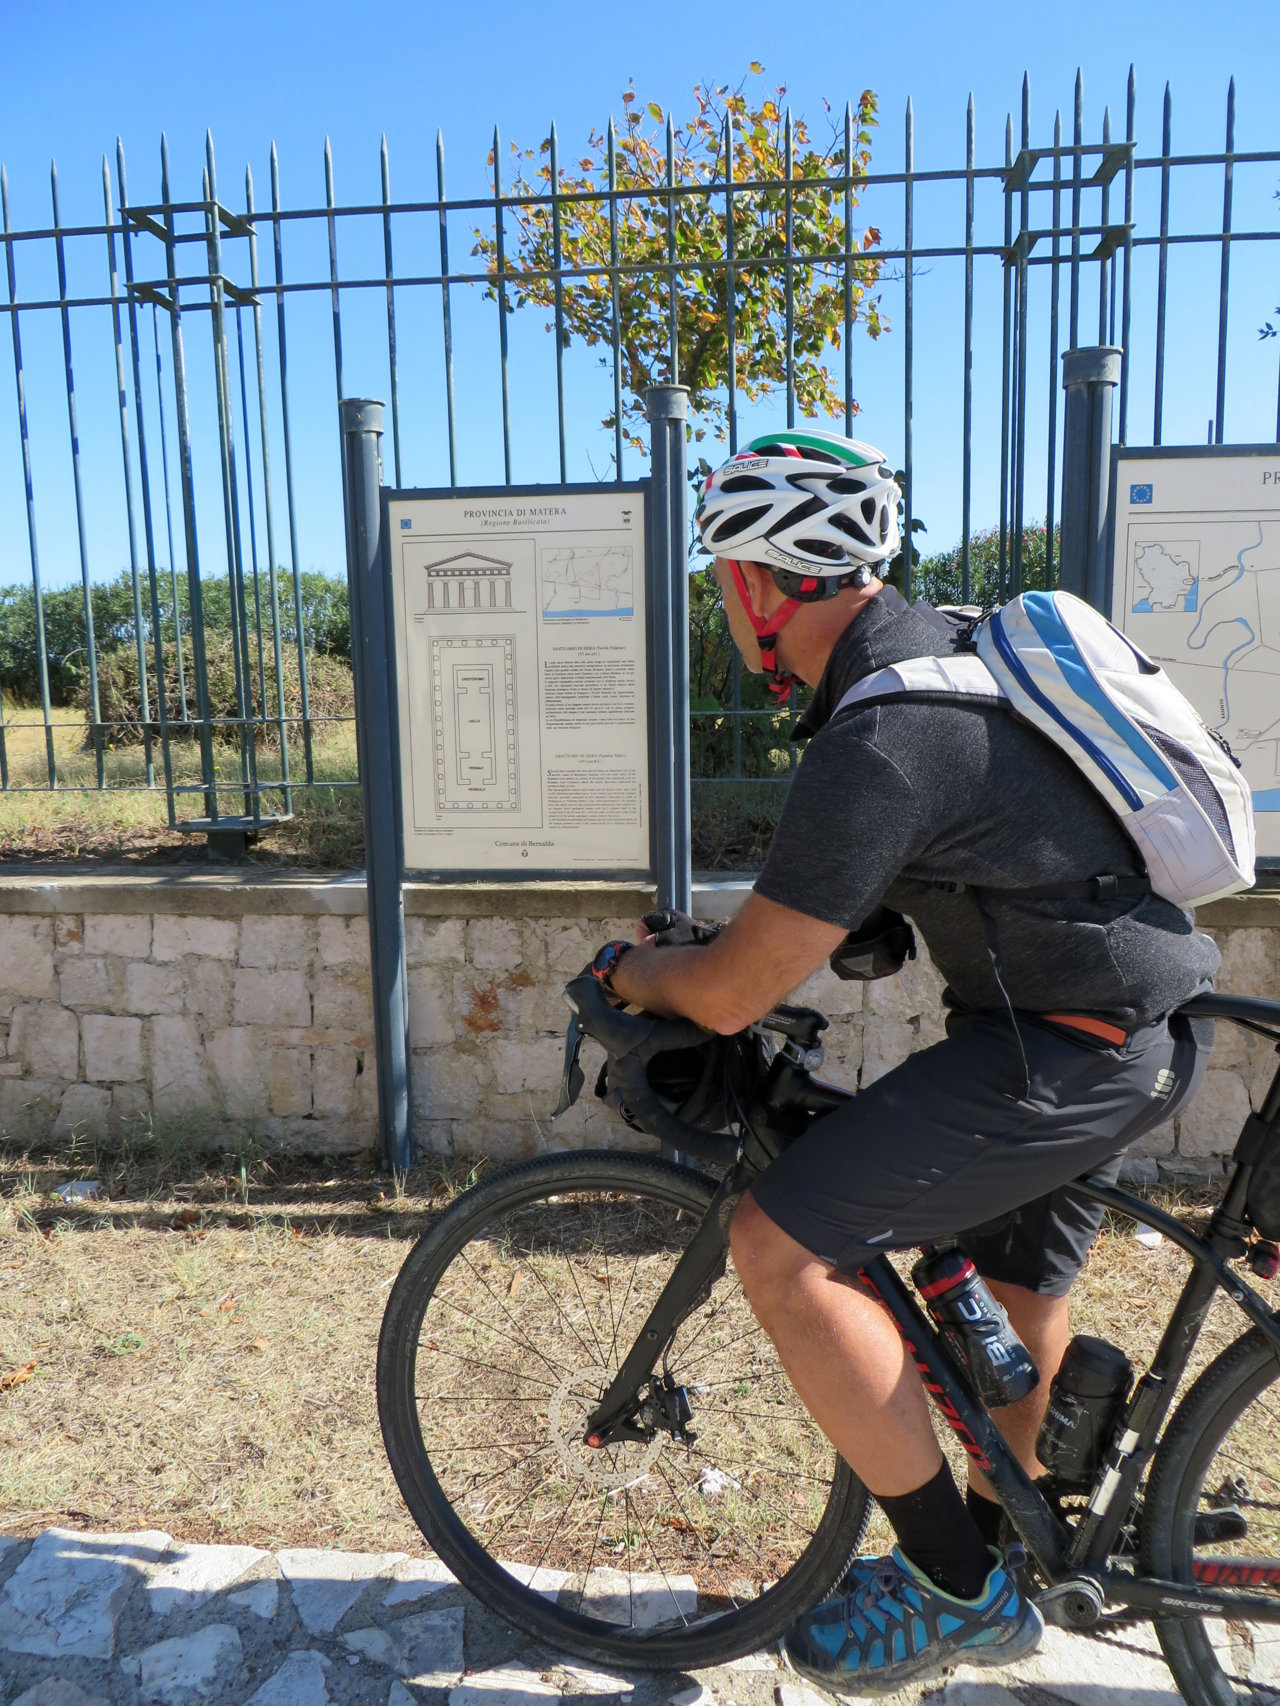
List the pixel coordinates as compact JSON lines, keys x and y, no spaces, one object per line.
{"x":226,"y":1009}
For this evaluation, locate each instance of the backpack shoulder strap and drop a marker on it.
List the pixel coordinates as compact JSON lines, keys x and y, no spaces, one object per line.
{"x":960,"y":677}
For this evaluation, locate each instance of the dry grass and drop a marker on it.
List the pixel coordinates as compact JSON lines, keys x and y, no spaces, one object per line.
{"x":204,"y":1343}
{"x":127,"y":823}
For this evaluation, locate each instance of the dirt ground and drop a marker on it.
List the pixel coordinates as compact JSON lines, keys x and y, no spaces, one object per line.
{"x":196,"y":1352}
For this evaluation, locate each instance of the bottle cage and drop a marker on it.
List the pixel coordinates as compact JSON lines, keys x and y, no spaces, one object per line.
{"x":631,"y":1041}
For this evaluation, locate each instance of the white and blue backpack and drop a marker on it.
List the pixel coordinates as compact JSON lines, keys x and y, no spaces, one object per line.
{"x":1174,"y":786}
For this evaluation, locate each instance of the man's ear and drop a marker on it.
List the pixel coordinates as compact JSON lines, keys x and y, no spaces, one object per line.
{"x":762,"y":589}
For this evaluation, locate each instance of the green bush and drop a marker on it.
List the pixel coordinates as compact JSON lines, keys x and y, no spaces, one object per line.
{"x":326,"y":627}
{"x":329,"y":690}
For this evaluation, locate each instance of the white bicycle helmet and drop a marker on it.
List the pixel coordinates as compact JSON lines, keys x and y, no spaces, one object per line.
{"x":818,"y":510}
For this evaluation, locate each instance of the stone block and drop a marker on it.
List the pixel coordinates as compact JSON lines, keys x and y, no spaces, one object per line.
{"x":26,"y":957}
{"x":430,"y":1007}
{"x":1157,"y":1142}
{"x":207,"y":989}
{"x":345,"y":941}
{"x":288,"y":1076}
{"x":125,"y":933}
{"x":152,"y":989}
{"x":261,"y":1599}
{"x":175,"y":936}
{"x":28,"y":1108}
{"x":1211,"y":1123}
{"x":568,"y":947}
{"x":327,"y":1584}
{"x":1248,"y":963}
{"x":433,"y":1137}
{"x":63,"y":1599}
{"x":193,"y":1574}
{"x":236,"y":1055}
{"x":503,"y":944}
{"x":85,"y":982}
{"x":829,"y":994}
{"x":46,"y":1039}
{"x":188,"y":1668}
{"x":68,"y":933}
{"x":886,"y":1043}
{"x":85,"y":1111}
{"x":426,"y":1648}
{"x":447,"y":1084}
{"x":336,"y":1076}
{"x":181,"y":1080}
{"x":519,"y":1066}
{"x":512,"y":1004}
{"x":130,"y":1108}
{"x":500,"y":1140}
{"x":429,"y":941}
{"x":300,"y":1681}
{"x":343,"y":1000}
{"x":270,"y":998}
{"x":112,"y":1048}
{"x":274,"y":943}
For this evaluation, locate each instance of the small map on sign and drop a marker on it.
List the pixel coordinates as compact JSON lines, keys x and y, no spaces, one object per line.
{"x":587,"y":580}
{"x":1166,"y":575}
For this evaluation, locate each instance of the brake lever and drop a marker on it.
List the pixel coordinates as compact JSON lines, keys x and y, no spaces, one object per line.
{"x":571,"y":1078}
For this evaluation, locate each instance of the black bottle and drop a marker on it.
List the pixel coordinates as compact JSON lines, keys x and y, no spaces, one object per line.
{"x":975,"y":1326}
{"x":1085,"y":1401}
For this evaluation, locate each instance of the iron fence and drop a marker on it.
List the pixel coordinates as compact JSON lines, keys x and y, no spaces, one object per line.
{"x":203,"y":683}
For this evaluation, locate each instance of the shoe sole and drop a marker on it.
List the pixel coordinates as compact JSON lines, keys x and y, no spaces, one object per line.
{"x":1019,"y":1645}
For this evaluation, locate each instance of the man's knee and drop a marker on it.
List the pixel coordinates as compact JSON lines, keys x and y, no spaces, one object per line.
{"x":769,"y":1261}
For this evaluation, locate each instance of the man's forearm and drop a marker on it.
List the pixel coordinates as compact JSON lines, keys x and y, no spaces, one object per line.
{"x":678,"y":983}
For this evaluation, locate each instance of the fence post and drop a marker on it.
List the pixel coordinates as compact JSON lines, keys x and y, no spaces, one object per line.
{"x":1089,"y":377}
{"x":666,"y":406}
{"x":373,"y":659}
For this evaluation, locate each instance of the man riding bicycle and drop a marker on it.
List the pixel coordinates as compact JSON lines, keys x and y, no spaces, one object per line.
{"x":1058,"y":1052}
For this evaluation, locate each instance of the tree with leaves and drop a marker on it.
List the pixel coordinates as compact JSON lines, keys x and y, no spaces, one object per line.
{"x":723,"y":250}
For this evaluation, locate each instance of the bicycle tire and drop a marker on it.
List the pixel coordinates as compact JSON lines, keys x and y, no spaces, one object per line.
{"x":523,"y":1259}
{"x":1225,"y":1426}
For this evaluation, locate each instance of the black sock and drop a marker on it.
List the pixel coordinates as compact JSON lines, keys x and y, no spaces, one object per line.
{"x":986,"y":1513}
{"x":939,"y":1536}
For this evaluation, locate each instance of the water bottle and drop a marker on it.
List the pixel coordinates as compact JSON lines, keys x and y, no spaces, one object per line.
{"x":1086,"y":1398}
{"x":974,"y":1326}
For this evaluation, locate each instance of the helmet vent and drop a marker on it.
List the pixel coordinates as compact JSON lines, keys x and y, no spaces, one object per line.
{"x":868,"y":508}
{"x":823,"y":548}
{"x":846,"y":483}
{"x":848,"y":525}
{"x":745,"y":483}
{"x":733,"y":525}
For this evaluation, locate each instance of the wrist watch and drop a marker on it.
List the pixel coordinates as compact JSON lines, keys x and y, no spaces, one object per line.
{"x":605,"y":963}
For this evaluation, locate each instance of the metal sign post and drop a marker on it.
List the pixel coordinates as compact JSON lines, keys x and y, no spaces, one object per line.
{"x":377,"y":744}
{"x":666,"y":406}
{"x":1089,"y":377}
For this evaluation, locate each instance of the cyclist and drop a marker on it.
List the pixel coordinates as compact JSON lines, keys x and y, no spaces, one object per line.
{"x":1057,"y":1055}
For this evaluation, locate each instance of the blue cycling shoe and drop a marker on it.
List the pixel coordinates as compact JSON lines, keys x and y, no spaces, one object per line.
{"x":894,"y":1626}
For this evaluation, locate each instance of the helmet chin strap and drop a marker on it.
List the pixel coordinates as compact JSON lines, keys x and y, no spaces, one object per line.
{"x":781,"y":681}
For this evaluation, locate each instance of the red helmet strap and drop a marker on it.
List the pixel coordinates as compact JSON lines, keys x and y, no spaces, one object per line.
{"x":767,"y":630}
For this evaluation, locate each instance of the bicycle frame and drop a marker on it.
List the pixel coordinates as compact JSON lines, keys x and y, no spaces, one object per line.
{"x":1074,"y":1563}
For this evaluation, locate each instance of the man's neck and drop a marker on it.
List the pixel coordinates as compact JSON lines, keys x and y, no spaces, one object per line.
{"x":806,"y":643}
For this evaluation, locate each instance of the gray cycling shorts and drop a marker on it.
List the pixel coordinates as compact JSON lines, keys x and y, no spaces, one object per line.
{"x":952,"y":1144}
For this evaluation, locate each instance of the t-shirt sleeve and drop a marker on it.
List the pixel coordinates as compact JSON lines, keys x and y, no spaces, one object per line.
{"x":850,"y":824}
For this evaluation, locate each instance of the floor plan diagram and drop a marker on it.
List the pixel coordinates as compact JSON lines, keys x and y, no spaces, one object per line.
{"x":473,"y":724}
{"x":587,"y":580}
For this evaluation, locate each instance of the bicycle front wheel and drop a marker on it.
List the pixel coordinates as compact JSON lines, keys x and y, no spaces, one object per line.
{"x":507,"y":1323}
{"x":1212,"y":1514}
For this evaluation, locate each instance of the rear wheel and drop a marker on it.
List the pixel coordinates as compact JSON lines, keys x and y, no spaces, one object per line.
{"x":504,"y":1328}
{"x":1212,"y":1514}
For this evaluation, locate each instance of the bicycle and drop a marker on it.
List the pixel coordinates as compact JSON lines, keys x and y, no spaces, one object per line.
{"x":570,"y":1381}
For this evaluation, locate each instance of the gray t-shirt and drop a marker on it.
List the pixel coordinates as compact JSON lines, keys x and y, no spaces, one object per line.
{"x":890,"y":800}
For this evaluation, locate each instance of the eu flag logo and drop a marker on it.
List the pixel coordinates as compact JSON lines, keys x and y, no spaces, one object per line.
{"x":1139,"y":494}
{"x":406,"y":522}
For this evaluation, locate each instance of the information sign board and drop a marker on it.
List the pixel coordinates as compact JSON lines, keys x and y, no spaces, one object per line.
{"x":521,"y":630}
{"x":1196,"y":584}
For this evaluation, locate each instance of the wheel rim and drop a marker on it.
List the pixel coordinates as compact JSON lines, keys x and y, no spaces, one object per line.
{"x":1237,"y":1483}
{"x":526,"y":1324}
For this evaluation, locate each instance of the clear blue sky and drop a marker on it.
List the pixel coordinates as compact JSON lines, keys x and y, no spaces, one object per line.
{"x":78,"y":75}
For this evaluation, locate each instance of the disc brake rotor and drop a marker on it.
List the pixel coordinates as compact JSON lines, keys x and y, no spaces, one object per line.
{"x":610,"y":1466}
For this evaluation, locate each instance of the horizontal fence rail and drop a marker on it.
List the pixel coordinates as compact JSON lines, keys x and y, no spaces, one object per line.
{"x":164,"y":631}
